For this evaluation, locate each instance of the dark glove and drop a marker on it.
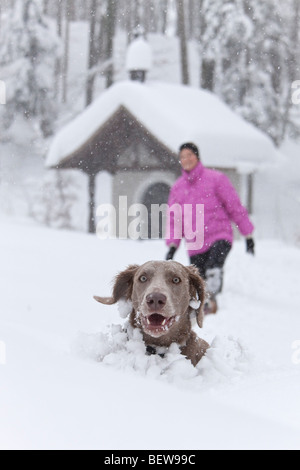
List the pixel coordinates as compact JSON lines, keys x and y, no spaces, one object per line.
{"x":171,"y":253}
{"x":250,"y":246}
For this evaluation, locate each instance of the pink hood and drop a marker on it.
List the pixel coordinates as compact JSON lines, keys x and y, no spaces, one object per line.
{"x":218,"y":206}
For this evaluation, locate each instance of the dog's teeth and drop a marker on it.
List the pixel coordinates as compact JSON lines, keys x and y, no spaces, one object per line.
{"x":148,"y":321}
{"x":164,"y":322}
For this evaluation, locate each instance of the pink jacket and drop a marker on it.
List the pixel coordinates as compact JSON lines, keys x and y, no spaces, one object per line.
{"x":219,"y":205}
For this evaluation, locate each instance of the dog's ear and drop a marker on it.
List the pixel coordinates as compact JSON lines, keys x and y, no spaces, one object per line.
{"x":197,"y":292}
{"x":122,"y":287}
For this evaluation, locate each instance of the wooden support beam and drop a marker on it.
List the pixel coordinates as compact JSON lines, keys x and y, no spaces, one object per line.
{"x":92,"y":193}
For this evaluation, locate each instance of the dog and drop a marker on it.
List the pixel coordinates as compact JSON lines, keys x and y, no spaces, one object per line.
{"x":164,"y":295}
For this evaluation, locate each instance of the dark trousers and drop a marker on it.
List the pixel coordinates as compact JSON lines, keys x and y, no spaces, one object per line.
{"x":211,"y":264}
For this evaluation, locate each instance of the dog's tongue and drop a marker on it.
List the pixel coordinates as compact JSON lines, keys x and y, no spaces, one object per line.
{"x":156,"y":319}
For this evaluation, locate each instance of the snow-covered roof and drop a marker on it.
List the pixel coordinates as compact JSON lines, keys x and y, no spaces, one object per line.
{"x":139,"y":55}
{"x":174,"y":114}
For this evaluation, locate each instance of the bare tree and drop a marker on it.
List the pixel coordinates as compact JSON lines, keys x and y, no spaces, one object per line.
{"x":208,"y":63}
{"x":293,"y":68}
{"x":46,"y":7}
{"x":110,"y":26}
{"x":183,"y":43}
{"x":163,"y":14}
{"x":58,"y":66}
{"x":150,"y":19}
{"x":93,"y":56}
{"x":65,"y":65}
{"x":296,"y":36}
{"x":50,"y":200}
{"x":191,"y":19}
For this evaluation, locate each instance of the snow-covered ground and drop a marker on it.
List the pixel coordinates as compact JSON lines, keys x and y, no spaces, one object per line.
{"x":68,"y":384}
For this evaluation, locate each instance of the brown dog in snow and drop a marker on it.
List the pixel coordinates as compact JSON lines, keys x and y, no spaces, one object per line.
{"x":164,"y":296}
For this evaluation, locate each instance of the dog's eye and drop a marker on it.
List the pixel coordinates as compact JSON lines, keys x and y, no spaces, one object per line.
{"x":143,"y":279}
{"x":176,"y":280}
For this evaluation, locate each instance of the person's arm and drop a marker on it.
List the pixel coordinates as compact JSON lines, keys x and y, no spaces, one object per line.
{"x":235,"y":210}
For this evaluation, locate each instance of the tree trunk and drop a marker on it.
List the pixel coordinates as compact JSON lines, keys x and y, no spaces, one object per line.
{"x":192,"y":19}
{"x":183,"y":43}
{"x":110,"y":33}
{"x":92,"y":192}
{"x":208,"y":74}
{"x":46,"y":7}
{"x":72,"y":10}
{"x":92,"y":53}
{"x":164,"y":14}
{"x":296,"y":38}
{"x":58,"y":64}
{"x":137,"y":13}
{"x":293,"y":66}
{"x":66,"y":53}
{"x":129,"y":21}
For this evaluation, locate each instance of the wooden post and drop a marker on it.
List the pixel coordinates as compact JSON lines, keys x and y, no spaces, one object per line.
{"x":92,"y":192}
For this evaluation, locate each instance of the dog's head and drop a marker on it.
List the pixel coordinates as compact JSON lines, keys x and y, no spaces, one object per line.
{"x":163,"y":295}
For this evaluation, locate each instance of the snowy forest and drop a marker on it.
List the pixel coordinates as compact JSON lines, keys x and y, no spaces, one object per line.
{"x":248,"y":53}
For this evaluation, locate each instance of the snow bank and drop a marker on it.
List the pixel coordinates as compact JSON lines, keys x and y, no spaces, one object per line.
{"x":122,"y":348}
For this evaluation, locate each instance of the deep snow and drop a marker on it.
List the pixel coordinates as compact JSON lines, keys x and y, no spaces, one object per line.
{"x":69,"y":384}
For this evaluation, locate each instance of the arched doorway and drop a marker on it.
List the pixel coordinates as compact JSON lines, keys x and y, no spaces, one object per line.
{"x":157,"y":194}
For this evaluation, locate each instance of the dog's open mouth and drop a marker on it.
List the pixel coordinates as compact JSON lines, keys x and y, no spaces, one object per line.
{"x":158,"y":323}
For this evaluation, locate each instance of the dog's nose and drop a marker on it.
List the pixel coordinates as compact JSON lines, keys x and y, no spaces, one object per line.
{"x":156,"y":301}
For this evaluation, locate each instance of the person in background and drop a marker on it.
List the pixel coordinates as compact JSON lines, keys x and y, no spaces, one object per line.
{"x":222,"y":206}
